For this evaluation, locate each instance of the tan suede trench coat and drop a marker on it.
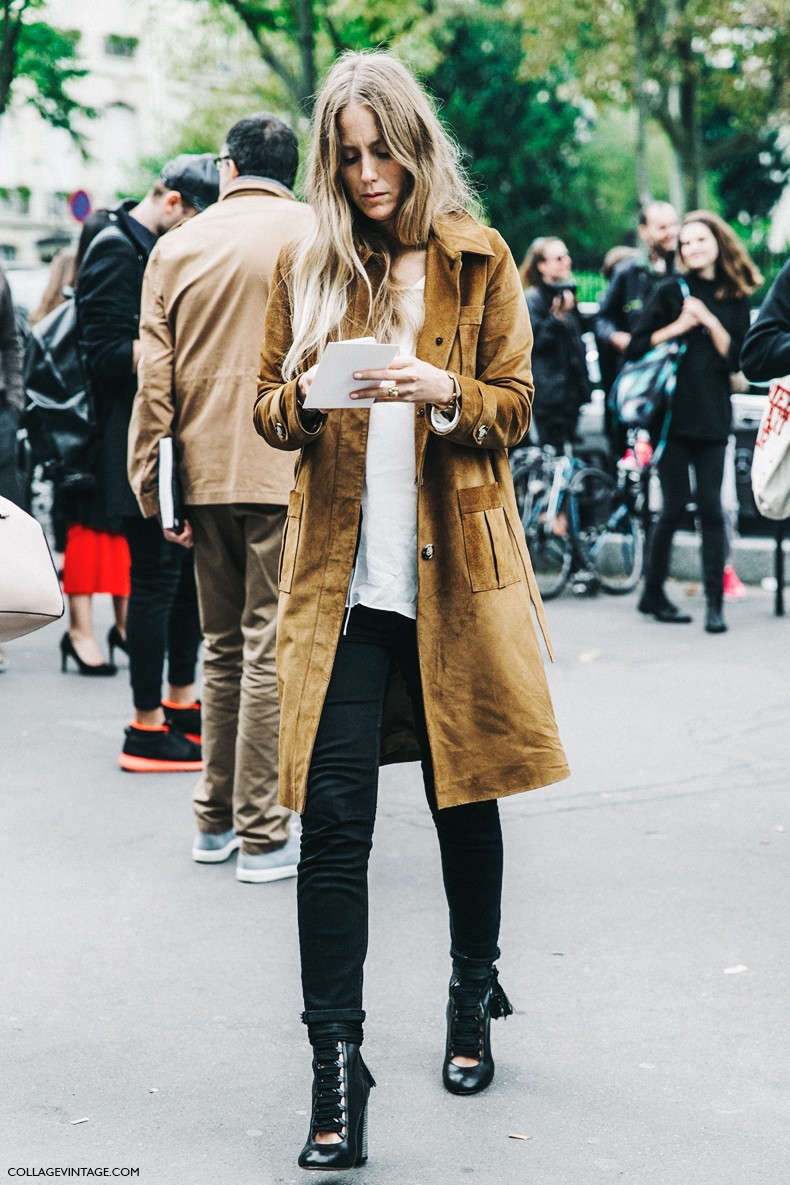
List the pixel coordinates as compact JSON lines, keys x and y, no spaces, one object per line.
{"x":490,"y":721}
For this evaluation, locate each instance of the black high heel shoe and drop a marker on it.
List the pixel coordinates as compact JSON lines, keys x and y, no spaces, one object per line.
{"x":85,"y":668}
{"x":472,"y":1004}
{"x":341,"y":1085}
{"x":116,"y":641}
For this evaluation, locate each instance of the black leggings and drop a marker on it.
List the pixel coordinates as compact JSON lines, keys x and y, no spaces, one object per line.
{"x":163,"y":613}
{"x":673,"y":469}
{"x":338,"y":820}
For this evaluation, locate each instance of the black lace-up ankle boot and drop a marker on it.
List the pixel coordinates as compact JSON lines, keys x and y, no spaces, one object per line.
{"x":341,"y":1085}
{"x":475,"y":997}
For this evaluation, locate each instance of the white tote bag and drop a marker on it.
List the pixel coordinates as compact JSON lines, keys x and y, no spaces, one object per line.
{"x":771,"y":460}
{"x":30,"y":594}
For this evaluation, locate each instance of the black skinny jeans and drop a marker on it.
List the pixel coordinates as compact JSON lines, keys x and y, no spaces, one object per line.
{"x":337,"y":829}
{"x":163,"y":613}
{"x":673,"y":469}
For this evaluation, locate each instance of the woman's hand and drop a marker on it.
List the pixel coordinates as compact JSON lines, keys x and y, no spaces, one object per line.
{"x":563,"y":304}
{"x":407,"y":380}
{"x":695,"y":308}
{"x":686,"y":321}
{"x":305,"y":382}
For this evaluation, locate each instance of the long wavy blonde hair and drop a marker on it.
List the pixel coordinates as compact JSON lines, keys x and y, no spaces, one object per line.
{"x":328,"y":262}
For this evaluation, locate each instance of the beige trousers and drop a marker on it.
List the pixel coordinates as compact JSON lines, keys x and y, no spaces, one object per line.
{"x":236,"y":555}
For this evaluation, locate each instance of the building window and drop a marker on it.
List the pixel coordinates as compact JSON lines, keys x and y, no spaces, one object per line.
{"x":116,"y":46}
{"x":7,"y":252}
{"x":15,"y":201}
{"x":58,"y":205}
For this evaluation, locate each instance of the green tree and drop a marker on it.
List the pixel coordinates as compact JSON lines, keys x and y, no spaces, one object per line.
{"x":298,"y":39}
{"x":520,"y":138}
{"x":46,"y":57}
{"x":678,"y":61}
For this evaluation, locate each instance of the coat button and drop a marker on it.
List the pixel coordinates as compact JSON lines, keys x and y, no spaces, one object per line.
{"x":427,"y":552}
{"x":439,"y":341}
{"x":420,"y":411}
{"x":280,"y":430}
{"x":481,"y":432}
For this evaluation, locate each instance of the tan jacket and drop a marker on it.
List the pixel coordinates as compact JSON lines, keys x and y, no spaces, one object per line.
{"x":204,"y":300}
{"x":490,"y":720}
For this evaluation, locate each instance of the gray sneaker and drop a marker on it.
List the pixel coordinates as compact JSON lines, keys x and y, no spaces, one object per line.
{"x":270,"y":866}
{"x":213,"y":849}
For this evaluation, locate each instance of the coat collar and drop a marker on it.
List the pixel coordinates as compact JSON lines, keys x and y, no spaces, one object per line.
{"x":248,"y":184}
{"x":455,"y":233}
{"x":452,"y":234}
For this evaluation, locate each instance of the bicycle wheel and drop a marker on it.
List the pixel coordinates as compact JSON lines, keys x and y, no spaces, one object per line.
{"x":550,"y":553}
{"x":528,"y":469}
{"x":607,"y":530}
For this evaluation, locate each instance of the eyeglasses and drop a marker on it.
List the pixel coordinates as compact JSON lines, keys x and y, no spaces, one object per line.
{"x":219,"y":159}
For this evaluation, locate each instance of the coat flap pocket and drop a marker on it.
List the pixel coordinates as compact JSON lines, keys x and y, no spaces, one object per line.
{"x":477,"y":498}
{"x":471,"y":314}
{"x":295,"y":500}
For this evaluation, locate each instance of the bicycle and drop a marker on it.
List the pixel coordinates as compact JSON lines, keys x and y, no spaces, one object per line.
{"x":581,"y":525}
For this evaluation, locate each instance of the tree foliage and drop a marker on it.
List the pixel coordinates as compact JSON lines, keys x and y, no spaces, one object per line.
{"x":529,"y":88}
{"x":682,"y":62}
{"x":521,"y":139}
{"x":46,"y":57}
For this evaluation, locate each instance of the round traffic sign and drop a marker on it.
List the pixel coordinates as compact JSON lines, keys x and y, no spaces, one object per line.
{"x":80,"y":205}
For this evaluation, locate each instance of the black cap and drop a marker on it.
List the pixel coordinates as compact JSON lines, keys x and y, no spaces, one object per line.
{"x":194,"y":176}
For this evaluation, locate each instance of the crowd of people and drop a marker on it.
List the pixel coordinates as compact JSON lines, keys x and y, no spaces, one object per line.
{"x":374,"y":602}
{"x":690,"y":283}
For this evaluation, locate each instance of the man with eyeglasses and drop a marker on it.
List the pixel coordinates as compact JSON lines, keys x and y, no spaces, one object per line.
{"x":204,"y":300}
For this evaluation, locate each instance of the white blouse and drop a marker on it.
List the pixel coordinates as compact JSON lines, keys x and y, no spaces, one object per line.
{"x":385,"y":572}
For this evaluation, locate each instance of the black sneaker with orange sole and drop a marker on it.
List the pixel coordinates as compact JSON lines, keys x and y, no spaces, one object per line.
{"x":158,"y":751}
{"x":184,"y":720}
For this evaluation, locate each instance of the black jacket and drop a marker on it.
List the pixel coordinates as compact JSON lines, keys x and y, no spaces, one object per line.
{"x":12,"y":389}
{"x":109,"y":286}
{"x":619,"y":310}
{"x":701,"y":408}
{"x":559,"y":368}
{"x":766,"y":351}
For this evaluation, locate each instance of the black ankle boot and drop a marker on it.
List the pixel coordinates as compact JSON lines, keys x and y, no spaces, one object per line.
{"x":472,"y":1004}
{"x":341,"y":1085}
{"x":714,"y":618}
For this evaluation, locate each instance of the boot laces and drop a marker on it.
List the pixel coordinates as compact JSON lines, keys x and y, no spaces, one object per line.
{"x":329,"y":1111}
{"x":466,"y":1037}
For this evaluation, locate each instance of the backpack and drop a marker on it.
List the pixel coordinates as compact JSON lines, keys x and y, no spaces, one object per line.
{"x":61,"y":418}
{"x":641,"y":395}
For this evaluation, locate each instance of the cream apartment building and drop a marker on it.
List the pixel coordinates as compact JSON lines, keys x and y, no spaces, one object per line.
{"x":127,"y":47}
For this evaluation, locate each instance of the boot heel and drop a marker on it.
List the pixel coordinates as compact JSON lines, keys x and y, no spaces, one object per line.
{"x":362,"y":1138}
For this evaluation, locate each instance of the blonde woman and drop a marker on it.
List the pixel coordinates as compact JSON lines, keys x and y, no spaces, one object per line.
{"x":406,"y":588}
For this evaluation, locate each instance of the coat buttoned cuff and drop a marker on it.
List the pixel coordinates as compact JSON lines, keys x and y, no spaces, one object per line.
{"x":475,"y":424}
{"x":278,"y":419}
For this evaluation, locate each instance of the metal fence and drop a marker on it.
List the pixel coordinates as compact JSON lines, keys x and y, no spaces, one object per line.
{"x":591,"y":284}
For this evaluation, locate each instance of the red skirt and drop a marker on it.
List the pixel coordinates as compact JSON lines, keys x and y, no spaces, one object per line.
{"x":95,"y":562}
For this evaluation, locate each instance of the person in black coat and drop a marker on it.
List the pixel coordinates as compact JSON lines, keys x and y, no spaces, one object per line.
{"x":559,"y":367}
{"x":711,"y":324}
{"x":163,"y":615}
{"x":12,"y":395}
{"x":766,"y":350}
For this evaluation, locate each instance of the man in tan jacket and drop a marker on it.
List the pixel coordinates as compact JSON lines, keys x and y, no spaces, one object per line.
{"x":204,"y":297}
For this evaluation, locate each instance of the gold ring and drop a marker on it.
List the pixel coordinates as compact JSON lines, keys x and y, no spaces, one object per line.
{"x":392,"y":390}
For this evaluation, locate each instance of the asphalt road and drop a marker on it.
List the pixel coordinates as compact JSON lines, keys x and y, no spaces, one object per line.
{"x":645,"y":942}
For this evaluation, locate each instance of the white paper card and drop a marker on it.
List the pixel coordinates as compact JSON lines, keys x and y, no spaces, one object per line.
{"x":334,"y":379}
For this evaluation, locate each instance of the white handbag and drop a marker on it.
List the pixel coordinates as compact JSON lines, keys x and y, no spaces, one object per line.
{"x":30,"y":593}
{"x":771,"y":460}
